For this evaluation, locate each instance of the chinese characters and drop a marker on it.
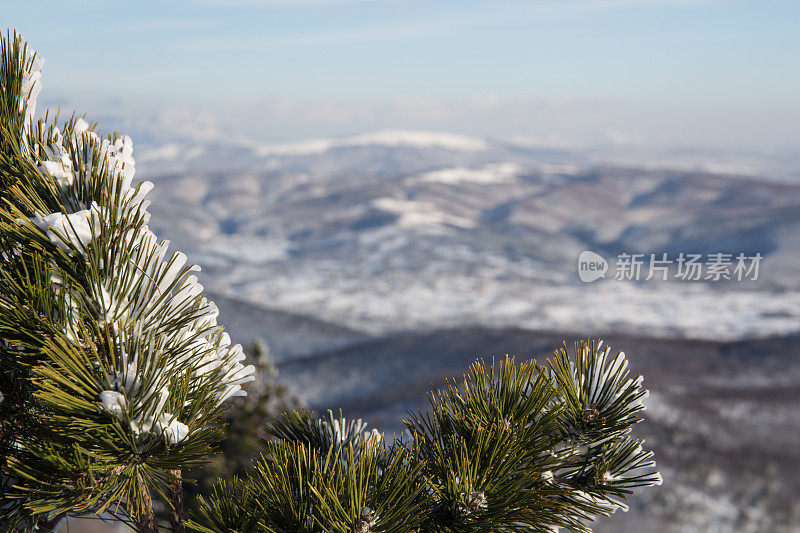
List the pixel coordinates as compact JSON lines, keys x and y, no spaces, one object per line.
{"x":688,"y":267}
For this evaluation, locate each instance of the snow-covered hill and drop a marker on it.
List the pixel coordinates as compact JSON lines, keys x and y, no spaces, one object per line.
{"x":401,"y":230}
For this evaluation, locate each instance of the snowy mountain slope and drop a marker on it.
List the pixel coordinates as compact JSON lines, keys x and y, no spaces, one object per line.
{"x":394,"y":236}
{"x":388,"y":138}
{"x":288,"y":334}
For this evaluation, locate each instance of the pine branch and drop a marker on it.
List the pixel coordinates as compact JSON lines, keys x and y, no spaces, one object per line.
{"x":177,"y":511}
{"x":120,"y":370}
{"x":513,"y":448}
{"x":146,"y":519}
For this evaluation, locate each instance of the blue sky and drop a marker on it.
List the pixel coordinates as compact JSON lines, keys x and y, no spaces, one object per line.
{"x":713,"y":72}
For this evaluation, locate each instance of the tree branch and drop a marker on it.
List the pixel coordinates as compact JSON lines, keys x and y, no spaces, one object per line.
{"x":177,"y":516}
{"x":146,"y":521}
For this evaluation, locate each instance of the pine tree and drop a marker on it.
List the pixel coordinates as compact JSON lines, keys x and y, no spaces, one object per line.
{"x":115,"y":377}
{"x":114,"y":369}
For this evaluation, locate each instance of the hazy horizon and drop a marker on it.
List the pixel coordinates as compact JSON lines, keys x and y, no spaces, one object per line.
{"x":711,"y":74}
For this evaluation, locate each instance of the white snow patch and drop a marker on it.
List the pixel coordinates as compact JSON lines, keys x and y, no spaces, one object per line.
{"x":413,"y":213}
{"x":420,"y":139}
{"x":489,"y":174}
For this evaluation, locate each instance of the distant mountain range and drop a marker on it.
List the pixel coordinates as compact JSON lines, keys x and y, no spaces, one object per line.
{"x":398,"y":230}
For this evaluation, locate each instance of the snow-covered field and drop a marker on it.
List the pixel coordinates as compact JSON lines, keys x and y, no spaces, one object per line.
{"x":411,"y":301}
